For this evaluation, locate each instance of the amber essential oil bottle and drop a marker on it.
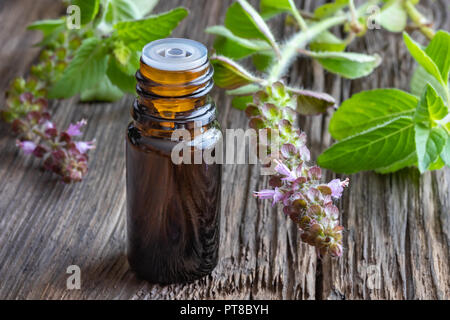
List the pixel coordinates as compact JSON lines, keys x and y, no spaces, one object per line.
{"x":173,"y":209}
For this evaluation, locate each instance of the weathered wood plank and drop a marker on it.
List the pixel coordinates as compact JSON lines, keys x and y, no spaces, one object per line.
{"x":396,"y":224}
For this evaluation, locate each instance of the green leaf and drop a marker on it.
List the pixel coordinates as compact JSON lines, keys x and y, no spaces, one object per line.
{"x":229,"y":74}
{"x":243,"y":20}
{"x":240,"y":102}
{"x":430,"y":108}
{"x":46,"y":26}
{"x":86,"y":69}
{"x":311,"y":102}
{"x":347,"y":64}
{"x":438,"y":50}
{"x":120,"y":79}
{"x":104,"y":90}
{"x":136,"y":34}
{"x":369,"y":109}
{"x":378,"y":147}
{"x":326,"y":41}
{"x":393,"y":16}
{"x":270,"y":8}
{"x":49,"y":28}
{"x":422,"y":58}
{"x":244,"y":90}
{"x":429,"y":144}
{"x":145,"y":6}
{"x":230,"y":45}
{"x":445,"y":154}
{"x":120,"y":10}
{"x":409,"y":161}
{"x":263,"y":61}
{"x":436,"y":165}
{"x":88,"y":9}
{"x":419,"y":81}
{"x":330,"y":9}
{"x":128,"y":60}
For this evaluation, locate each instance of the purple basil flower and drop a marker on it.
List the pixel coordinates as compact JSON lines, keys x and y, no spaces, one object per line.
{"x":306,"y":200}
{"x":264,"y":194}
{"x":74,"y":129}
{"x":48,"y":125}
{"x":337,"y":187}
{"x":280,"y":196}
{"x":84,"y":146}
{"x":27,"y":146}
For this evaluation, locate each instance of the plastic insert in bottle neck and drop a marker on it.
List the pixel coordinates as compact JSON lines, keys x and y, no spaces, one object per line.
{"x":174,"y":54}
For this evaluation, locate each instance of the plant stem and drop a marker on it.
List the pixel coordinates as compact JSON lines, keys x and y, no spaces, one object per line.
{"x":301,"y":22}
{"x":419,"y":20}
{"x":351,"y":5}
{"x":298,"y":41}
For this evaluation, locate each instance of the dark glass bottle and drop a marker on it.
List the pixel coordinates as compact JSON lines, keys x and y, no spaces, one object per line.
{"x":173,"y":209}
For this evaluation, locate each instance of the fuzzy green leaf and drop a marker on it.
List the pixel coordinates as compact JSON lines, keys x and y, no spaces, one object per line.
{"x":243,"y":20}
{"x":88,"y":9}
{"x":120,"y":79}
{"x":145,"y":6}
{"x":393,"y":16}
{"x":438,"y":50}
{"x":347,"y":64}
{"x":436,"y":165}
{"x":369,"y":109}
{"x":49,"y":28}
{"x":431,"y":107}
{"x":329,"y":9}
{"x":311,"y":102}
{"x":136,"y":34}
{"x":445,"y":154}
{"x":120,"y":10}
{"x":104,"y":90}
{"x":422,"y":58}
{"x":263,"y":61}
{"x":326,"y":41}
{"x":419,"y":81}
{"x":86,"y":69}
{"x":270,"y":8}
{"x":429,"y":144}
{"x":46,"y":26}
{"x":229,"y":74}
{"x":240,"y":102}
{"x":409,"y":161}
{"x":244,"y":90}
{"x":230,"y":45}
{"x":378,"y":147}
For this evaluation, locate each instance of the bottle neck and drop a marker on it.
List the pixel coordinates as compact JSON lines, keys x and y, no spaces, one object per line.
{"x":169,"y":100}
{"x":173,"y":94}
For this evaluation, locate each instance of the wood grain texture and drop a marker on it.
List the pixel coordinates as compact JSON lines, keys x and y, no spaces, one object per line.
{"x":397,"y":226}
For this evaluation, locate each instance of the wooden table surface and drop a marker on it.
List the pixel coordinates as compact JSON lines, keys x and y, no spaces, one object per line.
{"x":397,"y":238}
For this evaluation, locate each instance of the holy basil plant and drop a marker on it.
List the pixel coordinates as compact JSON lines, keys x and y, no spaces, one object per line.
{"x":389,"y":129}
{"x":272,"y":104}
{"x":97,"y":61}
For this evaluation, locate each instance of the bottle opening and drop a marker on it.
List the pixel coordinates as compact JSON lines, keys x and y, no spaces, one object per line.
{"x":174,"y":54}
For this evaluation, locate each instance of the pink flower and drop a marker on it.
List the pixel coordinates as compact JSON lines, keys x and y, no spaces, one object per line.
{"x":74,"y":129}
{"x":282,"y":169}
{"x":337,"y":187}
{"x":48,"y":125}
{"x":84,"y":146}
{"x":27,"y":146}
{"x":264,"y":194}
